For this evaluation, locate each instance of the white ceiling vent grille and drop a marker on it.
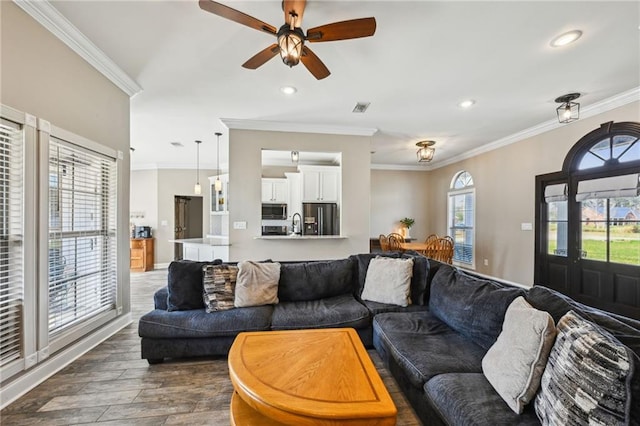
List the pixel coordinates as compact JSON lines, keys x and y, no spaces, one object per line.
{"x":361,"y":107}
{"x":177,"y":144}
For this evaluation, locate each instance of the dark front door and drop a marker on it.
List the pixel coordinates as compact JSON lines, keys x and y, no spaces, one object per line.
{"x":588,"y":221}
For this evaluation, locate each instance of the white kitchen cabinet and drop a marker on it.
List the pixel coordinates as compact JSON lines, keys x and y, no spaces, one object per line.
{"x":219,"y":199}
{"x":294,"y":203}
{"x":204,"y":252}
{"x":320,"y":184}
{"x":274,"y":190}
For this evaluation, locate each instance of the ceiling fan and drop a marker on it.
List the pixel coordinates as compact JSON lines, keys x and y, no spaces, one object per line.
{"x":291,"y":38}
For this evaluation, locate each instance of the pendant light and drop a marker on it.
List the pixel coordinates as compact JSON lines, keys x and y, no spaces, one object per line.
{"x":197,"y":189}
{"x":218,"y":183}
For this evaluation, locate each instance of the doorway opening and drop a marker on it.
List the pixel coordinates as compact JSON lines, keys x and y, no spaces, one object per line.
{"x":187,"y":219}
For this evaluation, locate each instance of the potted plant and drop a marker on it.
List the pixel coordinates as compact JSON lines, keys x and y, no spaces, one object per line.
{"x":407,"y":222}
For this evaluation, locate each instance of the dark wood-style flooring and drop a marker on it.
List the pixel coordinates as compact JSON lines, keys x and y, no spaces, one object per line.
{"x":111,"y":385}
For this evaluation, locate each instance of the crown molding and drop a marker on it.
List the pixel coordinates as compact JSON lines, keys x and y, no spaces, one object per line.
{"x":279,"y":126}
{"x":50,"y":18}
{"x":416,"y":168}
{"x":605,"y":105}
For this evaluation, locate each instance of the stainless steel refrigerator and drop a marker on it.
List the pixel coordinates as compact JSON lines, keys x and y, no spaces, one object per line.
{"x":320,"y":219}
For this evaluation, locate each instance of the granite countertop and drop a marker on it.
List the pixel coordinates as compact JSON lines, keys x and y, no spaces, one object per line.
{"x":211,"y":241}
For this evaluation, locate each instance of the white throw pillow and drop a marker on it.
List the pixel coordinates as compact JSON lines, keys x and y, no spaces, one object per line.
{"x":516,"y":361}
{"x":257,"y":283}
{"x":388,"y":281}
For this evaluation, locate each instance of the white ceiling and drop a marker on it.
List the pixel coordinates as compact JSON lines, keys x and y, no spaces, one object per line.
{"x":424,"y":59}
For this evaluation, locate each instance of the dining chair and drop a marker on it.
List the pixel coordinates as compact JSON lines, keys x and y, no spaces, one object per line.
{"x":384,"y":242}
{"x":397,"y":236}
{"x":442,"y":250}
{"x":395,"y":243}
{"x":431,"y":238}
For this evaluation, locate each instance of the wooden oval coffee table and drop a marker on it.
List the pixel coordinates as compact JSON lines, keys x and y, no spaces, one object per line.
{"x":306,"y":377}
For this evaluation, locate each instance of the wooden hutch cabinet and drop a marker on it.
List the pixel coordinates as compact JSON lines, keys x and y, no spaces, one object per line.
{"x":141,"y":254}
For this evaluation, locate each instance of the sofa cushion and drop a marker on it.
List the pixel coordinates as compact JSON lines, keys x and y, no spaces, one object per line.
{"x":184,"y":284}
{"x":419,"y":282}
{"x":625,"y":329}
{"x":315,"y":280}
{"x":472,"y":306}
{"x":337,"y":311}
{"x":219,"y":287}
{"x":388,"y":281}
{"x":424,"y":346}
{"x":514,"y":364}
{"x":257,"y":284}
{"x":380,"y":308}
{"x":469,"y":399}
{"x":198,"y":323}
{"x":160,"y":298}
{"x":588,"y":376}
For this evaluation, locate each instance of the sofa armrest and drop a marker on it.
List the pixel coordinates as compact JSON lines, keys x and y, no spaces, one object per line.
{"x":160,"y":298}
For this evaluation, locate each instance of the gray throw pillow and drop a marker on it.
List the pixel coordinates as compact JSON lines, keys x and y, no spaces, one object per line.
{"x":257,"y":284}
{"x":388,"y":281}
{"x":515,"y":362}
{"x":587,"y":378}
{"x":219,"y":284}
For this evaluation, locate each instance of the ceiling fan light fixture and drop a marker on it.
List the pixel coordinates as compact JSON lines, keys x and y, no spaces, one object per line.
{"x":426,"y":151}
{"x":290,"y":42}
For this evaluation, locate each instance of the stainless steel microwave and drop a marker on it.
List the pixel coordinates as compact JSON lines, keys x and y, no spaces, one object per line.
{"x":274,"y":211}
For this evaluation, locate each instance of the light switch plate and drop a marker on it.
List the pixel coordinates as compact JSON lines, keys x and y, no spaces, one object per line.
{"x":240,"y":225}
{"x":526,"y":226}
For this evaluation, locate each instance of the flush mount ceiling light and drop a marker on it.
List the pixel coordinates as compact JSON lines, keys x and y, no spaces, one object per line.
{"x":568,"y":111}
{"x":288,"y":90}
{"x":197,"y":189}
{"x":426,"y":151}
{"x":566,"y":38}
{"x":218,"y":183}
{"x":467,"y":103}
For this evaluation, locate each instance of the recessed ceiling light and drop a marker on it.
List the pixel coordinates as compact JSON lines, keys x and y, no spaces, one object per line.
{"x":566,"y":38}
{"x":467,"y":103}
{"x":288,"y":90}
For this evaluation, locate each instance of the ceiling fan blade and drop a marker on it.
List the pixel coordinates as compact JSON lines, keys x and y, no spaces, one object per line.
{"x":262,"y":57}
{"x":236,"y":16}
{"x":295,"y":6}
{"x":314,"y":64}
{"x":344,"y":30}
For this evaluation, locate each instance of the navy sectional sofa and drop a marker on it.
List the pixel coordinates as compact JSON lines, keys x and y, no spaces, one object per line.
{"x":433,"y":347}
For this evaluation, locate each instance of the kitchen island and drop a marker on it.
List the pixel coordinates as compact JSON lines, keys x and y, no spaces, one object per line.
{"x":204,"y":249}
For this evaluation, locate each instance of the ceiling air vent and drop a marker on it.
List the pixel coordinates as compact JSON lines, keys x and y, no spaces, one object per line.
{"x":177,"y":144}
{"x":361,"y":107}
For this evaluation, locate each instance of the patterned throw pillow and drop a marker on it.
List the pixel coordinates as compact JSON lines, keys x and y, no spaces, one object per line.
{"x":219,"y":284}
{"x":587,"y":378}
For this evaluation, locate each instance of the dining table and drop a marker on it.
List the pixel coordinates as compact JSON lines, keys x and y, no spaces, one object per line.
{"x":419,"y":246}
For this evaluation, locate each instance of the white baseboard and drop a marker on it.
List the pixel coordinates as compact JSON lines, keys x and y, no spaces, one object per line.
{"x":161,"y":266}
{"x":38,"y":374}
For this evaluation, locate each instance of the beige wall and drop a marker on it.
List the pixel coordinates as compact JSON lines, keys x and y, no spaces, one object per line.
{"x":153,"y":192}
{"x":505,"y":188}
{"x":399,"y":194}
{"x":244,"y":195}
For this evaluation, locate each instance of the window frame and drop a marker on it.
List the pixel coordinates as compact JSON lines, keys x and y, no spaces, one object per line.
{"x":451,"y":193}
{"x":50,"y":343}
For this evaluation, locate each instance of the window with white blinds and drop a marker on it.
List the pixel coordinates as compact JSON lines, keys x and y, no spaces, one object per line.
{"x":461,"y":218}
{"x":11,"y":241}
{"x":82,"y":234}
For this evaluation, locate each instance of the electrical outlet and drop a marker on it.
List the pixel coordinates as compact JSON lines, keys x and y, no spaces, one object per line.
{"x":525,"y":226}
{"x":240,"y":225}
{"x":486,"y":262}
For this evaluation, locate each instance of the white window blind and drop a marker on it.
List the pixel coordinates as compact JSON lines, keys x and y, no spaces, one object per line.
{"x":609,"y":187}
{"x":82,"y":234}
{"x":556,"y":192}
{"x":11,"y":244}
